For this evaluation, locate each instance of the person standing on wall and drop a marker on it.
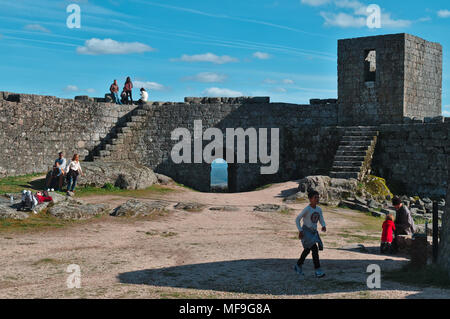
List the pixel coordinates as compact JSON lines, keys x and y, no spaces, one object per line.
{"x":73,"y":170}
{"x":128,"y":89}
{"x":114,"y":89}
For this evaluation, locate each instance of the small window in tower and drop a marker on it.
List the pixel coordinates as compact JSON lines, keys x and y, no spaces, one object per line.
{"x":370,"y":66}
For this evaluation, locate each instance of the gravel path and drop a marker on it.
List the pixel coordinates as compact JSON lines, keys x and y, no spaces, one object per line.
{"x":207,"y":254}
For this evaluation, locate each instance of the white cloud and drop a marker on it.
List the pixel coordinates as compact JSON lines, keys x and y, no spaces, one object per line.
{"x":90,"y":90}
{"x":261,"y":55}
{"x":270,"y":81}
{"x":343,"y":20}
{"x":96,"y":46}
{"x":207,"y":57}
{"x":280,"y":90}
{"x":71,"y":88}
{"x":288,"y":81}
{"x":315,"y":3}
{"x":149,"y":85}
{"x":444,"y":13}
{"x":36,"y":27}
{"x":207,"y":77}
{"x":219,"y":92}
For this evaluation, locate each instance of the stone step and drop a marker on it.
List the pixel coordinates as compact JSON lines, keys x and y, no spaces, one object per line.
{"x":103,"y":153}
{"x":138,"y":118}
{"x":357,"y":138}
{"x":365,"y":143}
{"x":362,"y":128}
{"x":361,"y":133}
{"x":344,"y":175}
{"x":341,"y":158}
{"x":139,"y":112}
{"x":124,"y":129}
{"x":352,"y":148}
{"x":348,"y":163}
{"x":351,"y":153}
{"x":116,"y":141}
{"x":346,"y":169}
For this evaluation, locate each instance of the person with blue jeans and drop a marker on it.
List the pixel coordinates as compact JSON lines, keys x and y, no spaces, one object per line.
{"x":114,"y":89}
{"x":73,"y":170}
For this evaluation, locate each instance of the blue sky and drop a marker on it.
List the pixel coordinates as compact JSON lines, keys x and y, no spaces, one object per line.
{"x":285,"y":49}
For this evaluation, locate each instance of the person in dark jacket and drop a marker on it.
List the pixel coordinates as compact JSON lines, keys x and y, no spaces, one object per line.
{"x":404,"y":223}
{"x":128,"y":89}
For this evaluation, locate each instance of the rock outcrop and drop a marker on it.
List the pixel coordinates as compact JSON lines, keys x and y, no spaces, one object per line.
{"x":123,"y":174}
{"x":134,"y":208}
{"x":76,"y":209}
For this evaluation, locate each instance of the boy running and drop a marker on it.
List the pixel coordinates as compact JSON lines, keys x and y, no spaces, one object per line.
{"x":309,"y":235}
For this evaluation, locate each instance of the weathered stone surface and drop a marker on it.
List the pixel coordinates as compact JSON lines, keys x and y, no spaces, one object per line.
{"x":124,"y":174}
{"x":75,"y":209}
{"x":330,"y":190}
{"x":190,"y":206}
{"x":270,"y":208}
{"x":134,"y":208}
{"x":163,"y":179}
{"x":224,"y":208}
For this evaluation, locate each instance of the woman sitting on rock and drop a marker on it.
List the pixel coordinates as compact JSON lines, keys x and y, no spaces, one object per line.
{"x":73,"y":170}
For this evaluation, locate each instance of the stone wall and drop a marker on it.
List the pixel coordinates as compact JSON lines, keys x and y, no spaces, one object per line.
{"x":300,"y":127}
{"x":413,"y":157}
{"x":444,"y":241}
{"x":423,"y":78}
{"x":34,"y":128}
{"x":407,"y":80}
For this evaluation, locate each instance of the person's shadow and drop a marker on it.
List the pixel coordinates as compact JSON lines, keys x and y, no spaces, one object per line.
{"x":263,"y":276}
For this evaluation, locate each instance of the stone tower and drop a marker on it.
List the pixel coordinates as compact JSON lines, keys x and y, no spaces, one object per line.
{"x":382,"y":79}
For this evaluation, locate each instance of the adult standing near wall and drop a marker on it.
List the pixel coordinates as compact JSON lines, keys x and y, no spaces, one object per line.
{"x":73,"y":170}
{"x":114,"y":89}
{"x":128,"y":88}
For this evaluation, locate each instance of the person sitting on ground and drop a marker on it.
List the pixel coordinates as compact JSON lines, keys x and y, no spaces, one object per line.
{"x":61,"y":161}
{"x":56,"y":174}
{"x":124,"y":97}
{"x":73,"y":170}
{"x":29,"y":202}
{"x":43,"y":197}
{"x":309,"y":235}
{"x":144,"y":96}
{"x":404,"y":223}
{"x":114,"y":89}
{"x":387,"y":234}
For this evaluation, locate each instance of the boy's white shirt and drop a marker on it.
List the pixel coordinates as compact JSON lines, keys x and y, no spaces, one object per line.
{"x":310,"y":218}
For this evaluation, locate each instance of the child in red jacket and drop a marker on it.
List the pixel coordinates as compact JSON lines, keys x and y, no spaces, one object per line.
{"x":386,"y":237}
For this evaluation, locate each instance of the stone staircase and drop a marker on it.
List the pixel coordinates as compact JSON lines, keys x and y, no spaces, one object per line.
{"x":354,"y":155}
{"x":113,"y":146}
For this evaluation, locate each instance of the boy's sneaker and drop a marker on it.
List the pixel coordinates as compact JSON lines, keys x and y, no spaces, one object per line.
{"x":53,"y":189}
{"x":298,"y":269}
{"x":319,"y":273}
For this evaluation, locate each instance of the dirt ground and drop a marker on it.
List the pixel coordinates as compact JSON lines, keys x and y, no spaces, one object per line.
{"x":207,"y":254}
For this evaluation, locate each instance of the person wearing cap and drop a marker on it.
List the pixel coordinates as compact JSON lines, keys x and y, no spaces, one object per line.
{"x":404,"y":223}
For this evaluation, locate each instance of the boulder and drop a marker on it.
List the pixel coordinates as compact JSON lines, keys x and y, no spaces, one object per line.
{"x":190,"y":206}
{"x":123,"y":174}
{"x":134,"y":208}
{"x":331,"y":190}
{"x":224,"y":208}
{"x":270,"y":208}
{"x":75,"y":209}
{"x":163,"y":179}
